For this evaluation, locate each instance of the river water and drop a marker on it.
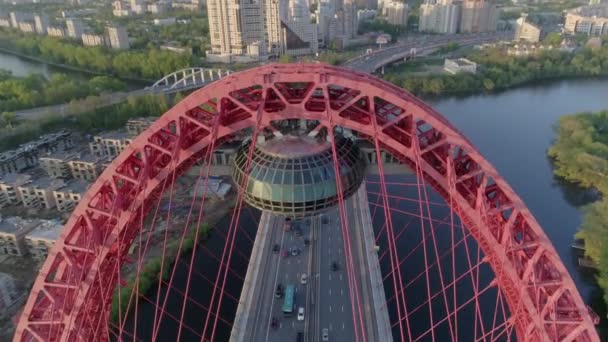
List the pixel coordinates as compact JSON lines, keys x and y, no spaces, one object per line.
{"x":512,"y":129}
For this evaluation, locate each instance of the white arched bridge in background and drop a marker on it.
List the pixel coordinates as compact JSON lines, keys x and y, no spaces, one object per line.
{"x":187,"y":79}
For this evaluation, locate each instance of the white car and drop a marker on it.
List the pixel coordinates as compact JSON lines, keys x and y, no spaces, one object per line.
{"x":301,"y":314}
{"x":304,"y":279}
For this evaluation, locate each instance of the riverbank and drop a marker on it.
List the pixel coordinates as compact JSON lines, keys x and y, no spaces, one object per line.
{"x":497,"y":71}
{"x":153,"y":261}
{"x":580,"y":155}
{"x":70,"y":67}
{"x":149,"y":64}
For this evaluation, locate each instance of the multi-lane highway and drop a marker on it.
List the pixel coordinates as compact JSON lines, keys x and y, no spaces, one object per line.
{"x":419,"y":46}
{"x":325,"y":294}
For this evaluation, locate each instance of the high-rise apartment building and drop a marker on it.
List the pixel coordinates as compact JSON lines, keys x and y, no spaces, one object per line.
{"x":74,"y":28}
{"x":250,"y":30}
{"x":117,"y":37}
{"x":439,"y":17}
{"x":478,"y":16}
{"x":396,"y":13}
{"x":468,"y":16}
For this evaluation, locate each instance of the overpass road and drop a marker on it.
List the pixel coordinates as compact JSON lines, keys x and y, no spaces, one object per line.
{"x":423,"y":45}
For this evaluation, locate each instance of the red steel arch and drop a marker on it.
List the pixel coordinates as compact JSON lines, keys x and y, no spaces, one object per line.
{"x":72,"y":294}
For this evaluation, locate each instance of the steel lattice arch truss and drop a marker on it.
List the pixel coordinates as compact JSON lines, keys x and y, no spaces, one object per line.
{"x":71,"y":297}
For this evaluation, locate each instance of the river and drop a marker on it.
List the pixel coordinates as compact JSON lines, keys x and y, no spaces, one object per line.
{"x":513,"y":130}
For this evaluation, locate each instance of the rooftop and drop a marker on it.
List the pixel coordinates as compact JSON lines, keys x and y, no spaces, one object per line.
{"x":293,"y":146}
{"x":600,"y":11}
{"x":75,"y":186}
{"x":120,"y":134}
{"x":15,"y":179}
{"x":17,"y":225}
{"x":46,"y":230}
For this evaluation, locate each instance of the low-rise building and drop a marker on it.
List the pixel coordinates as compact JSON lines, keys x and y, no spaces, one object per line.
{"x":5,"y":22}
{"x":27,"y":27}
{"x":90,"y":39}
{"x":38,"y":193}
{"x":12,"y":233}
{"x":119,"y":9}
{"x":67,"y":196}
{"x":86,"y":166}
{"x":41,"y":23}
{"x":55,"y":31}
{"x":41,"y":239}
{"x":164,"y":21}
{"x":454,"y":66}
{"x":591,"y":20}
{"x":110,"y":144}
{"x":525,"y":31}
{"x":159,"y":7}
{"x":26,"y":155}
{"x":117,"y":37}
{"x":55,"y":164}
{"x":9,"y":188}
{"x":137,"y":125}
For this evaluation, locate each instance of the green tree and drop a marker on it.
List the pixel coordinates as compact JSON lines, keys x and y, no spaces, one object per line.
{"x":8,"y":119}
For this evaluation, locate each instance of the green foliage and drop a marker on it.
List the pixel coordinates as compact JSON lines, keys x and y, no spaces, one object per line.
{"x":580,"y":152}
{"x":553,"y":39}
{"x":7,"y":119}
{"x":285,"y":59}
{"x":149,"y":64}
{"x":34,"y":90}
{"x":150,"y":272}
{"x":580,"y":155}
{"x":497,"y":71}
{"x":103,"y":118}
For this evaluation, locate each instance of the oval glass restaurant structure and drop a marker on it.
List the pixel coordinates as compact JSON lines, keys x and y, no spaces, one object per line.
{"x":294,"y":175}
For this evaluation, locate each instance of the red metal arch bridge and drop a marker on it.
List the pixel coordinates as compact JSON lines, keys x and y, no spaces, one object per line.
{"x":534,"y":297}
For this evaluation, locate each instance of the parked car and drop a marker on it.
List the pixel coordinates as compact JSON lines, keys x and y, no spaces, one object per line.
{"x":300,"y":313}
{"x":295,"y":251}
{"x":276,"y":248}
{"x":300,"y":336}
{"x":334,"y":266}
{"x":306,"y":242}
{"x":285,"y":253}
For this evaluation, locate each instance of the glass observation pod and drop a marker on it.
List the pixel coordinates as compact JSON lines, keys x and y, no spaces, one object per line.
{"x":294,"y":176}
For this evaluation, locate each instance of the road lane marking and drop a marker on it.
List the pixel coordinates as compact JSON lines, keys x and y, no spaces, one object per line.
{"x":330,"y":292}
{"x":340,"y":276}
{"x":342,"y":325}
{"x":342,"y":307}
{"x":341,"y":292}
{"x":330,"y":308}
{"x":330,"y":276}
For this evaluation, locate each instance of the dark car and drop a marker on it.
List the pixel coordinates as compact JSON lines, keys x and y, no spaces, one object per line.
{"x":279,"y":292}
{"x":306,"y":242}
{"x":300,"y":336}
{"x":274,"y":323}
{"x":276,"y":248}
{"x":325,"y":220}
{"x":334,"y":266}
